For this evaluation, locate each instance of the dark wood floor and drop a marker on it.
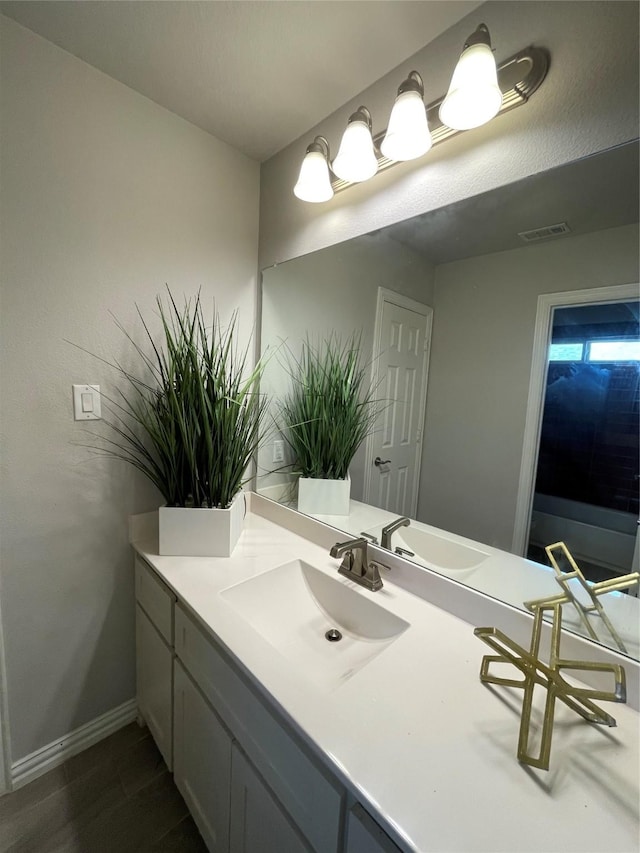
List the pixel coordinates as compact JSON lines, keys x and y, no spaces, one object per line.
{"x":115,"y":797}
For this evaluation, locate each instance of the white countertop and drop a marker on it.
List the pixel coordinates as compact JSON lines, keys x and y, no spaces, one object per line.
{"x":414,"y":734}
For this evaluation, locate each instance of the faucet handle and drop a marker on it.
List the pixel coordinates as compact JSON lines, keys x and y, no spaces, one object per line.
{"x":371,"y":578}
{"x":373,"y":539}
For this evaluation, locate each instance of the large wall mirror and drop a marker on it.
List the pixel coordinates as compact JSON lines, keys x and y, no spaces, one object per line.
{"x":477,"y":269}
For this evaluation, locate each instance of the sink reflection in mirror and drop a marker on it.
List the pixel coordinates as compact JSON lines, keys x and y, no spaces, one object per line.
{"x":293,"y":606}
{"x":437,"y":552}
{"x":506,"y":576}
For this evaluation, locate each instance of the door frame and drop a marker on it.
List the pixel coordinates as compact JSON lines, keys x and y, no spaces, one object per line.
{"x":391,"y":296}
{"x":537,"y":389}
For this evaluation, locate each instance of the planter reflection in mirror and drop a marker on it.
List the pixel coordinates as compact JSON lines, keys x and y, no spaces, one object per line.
{"x":328,"y":412}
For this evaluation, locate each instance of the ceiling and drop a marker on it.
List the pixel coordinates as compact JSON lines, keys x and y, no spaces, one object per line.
{"x":256,"y":74}
{"x":591,"y":194}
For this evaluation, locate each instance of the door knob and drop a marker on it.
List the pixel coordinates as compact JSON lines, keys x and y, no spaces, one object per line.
{"x":378,"y":462}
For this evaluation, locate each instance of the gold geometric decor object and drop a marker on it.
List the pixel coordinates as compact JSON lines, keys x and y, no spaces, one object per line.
{"x":536,"y":673}
{"x":560,"y":555}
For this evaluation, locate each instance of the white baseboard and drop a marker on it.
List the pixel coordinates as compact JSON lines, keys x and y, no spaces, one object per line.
{"x":47,"y":757}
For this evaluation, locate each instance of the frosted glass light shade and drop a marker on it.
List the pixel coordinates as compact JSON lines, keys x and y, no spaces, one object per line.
{"x":474,"y":96}
{"x":356,"y":159}
{"x":314,"y":182}
{"x":408,"y":134}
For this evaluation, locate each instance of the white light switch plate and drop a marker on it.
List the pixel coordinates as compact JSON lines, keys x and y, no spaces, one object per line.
{"x":278,"y":451}
{"x":86,"y":402}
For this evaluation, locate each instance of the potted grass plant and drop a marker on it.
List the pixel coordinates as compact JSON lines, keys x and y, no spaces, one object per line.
{"x":328,"y":412}
{"x":190,"y":422}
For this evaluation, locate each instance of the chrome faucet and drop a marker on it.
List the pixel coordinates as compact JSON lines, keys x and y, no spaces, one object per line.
{"x":356,"y":564}
{"x":403,"y":521}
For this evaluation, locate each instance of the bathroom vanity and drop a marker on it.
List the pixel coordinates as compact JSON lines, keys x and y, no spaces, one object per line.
{"x":282,"y":741}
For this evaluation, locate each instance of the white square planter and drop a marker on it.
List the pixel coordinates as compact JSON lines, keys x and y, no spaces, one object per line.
{"x":200,"y":532}
{"x":323,"y":497}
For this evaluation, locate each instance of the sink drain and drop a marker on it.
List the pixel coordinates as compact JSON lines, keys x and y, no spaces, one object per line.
{"x":333,"y":635}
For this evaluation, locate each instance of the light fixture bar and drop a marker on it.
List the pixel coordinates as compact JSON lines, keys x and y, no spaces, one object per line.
{"x":518,"y":78}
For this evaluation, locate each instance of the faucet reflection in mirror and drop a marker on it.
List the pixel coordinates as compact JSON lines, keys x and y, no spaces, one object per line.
{"x":387,"y":531}
{"x":478,"y":92}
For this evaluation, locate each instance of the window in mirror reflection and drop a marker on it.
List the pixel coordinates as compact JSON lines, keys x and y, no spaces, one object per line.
{"x":566,"y":352}
{"x":614,"y":351}
{"x":596,"y":351}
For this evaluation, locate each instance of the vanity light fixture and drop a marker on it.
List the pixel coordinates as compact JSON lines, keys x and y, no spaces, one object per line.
{"x":356,"y":159}
{"x":474,"y":96}
{"x":408,"y":135}
{"x":314,"y":181}
{"x":497,"y":91}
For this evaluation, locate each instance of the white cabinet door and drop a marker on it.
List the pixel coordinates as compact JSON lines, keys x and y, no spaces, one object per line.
{"x":202,"y":761}
{"x":365,"y":836}
{"x":257,"y":821}
{"x":310,"y":796}
{"x":154,"y":675}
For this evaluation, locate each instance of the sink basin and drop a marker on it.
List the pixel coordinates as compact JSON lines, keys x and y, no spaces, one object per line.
{"x":293,"y":606}
{"x":437,"y":551}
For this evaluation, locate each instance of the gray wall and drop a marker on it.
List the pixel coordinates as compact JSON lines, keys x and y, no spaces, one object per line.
{"x":332,"y":291}
{"x":105,"y":197}
{"x":483,"y":328}
{"x":589,"y":102}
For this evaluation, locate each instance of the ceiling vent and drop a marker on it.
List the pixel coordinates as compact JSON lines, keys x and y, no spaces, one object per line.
{"x":544,"y":233}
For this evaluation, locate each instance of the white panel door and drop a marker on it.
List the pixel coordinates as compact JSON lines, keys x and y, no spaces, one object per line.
{"x":400,"y":367}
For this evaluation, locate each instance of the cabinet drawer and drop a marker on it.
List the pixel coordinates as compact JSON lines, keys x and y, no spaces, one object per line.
{"x":310,"y":798}
{"x":155,"y":599}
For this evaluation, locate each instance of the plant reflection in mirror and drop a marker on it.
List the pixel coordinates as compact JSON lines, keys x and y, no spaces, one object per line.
{"x":330,"y":408}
